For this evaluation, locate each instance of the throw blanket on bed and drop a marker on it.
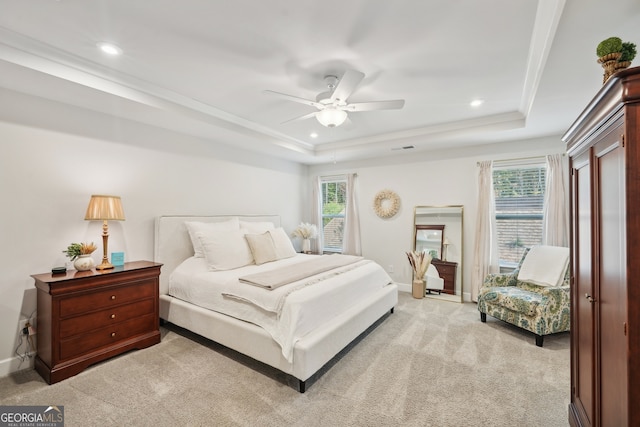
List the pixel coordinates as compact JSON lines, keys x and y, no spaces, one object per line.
{"x":275,"y":278}
{"x":273,"y":300}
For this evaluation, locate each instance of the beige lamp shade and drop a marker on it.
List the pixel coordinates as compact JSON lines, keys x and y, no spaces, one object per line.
{"x":104,"y":208}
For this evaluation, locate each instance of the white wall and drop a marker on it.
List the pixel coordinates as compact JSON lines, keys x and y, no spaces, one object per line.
{"x":47,"y":178}
{"x":426,"y":179}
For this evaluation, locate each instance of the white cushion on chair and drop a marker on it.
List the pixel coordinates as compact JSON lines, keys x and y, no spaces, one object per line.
{"x":432,"y":279}
{"x":544,"y":265}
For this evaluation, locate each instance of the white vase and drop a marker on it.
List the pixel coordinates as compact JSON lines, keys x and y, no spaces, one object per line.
{"x":83,"y":262}
{"x":306,"y":246}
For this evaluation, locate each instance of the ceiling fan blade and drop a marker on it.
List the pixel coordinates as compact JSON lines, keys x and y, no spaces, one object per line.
{"x":375,"y":105}
{"x":347,"y":85}
{"x":306,"y":116}
{"x":295,"y":99}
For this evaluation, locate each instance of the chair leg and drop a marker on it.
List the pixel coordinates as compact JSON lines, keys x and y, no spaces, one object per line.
{"x":539,"y":339}
{"x":483,"y":317}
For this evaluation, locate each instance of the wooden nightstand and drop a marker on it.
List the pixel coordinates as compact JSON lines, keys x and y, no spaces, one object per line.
{"x":447,"y":271}
{"x":88,"y":316}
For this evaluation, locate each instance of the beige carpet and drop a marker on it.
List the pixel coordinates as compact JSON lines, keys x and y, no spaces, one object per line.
{"x":431,"y":363}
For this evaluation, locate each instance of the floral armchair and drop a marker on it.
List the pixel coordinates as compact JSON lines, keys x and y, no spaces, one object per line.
{"x":542,"y":310}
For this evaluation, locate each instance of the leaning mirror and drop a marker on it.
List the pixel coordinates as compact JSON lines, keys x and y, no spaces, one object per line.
{"x":437,"y":230}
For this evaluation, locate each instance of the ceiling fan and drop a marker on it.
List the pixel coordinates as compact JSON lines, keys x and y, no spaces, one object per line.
{"x":333,"y":106}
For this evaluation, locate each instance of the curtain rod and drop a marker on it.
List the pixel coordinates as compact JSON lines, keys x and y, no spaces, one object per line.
{"x":543,"y":157}
{"x":343,"y":175}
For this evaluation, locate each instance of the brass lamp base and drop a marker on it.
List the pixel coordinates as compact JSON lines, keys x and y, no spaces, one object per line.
{"x":104,"y":266}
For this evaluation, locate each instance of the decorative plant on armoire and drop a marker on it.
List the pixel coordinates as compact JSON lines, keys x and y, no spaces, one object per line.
{"x":614,"y":55}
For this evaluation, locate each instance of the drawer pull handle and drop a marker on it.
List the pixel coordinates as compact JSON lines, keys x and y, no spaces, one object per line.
{"x":113,"y":316}
{"x":589,"y":298}
{"x":113,"y":334}
{"x":113,"y":297}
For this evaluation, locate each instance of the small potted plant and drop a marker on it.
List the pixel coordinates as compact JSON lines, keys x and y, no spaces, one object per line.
{"x":80,"y":253}
{"x":614,"y":55}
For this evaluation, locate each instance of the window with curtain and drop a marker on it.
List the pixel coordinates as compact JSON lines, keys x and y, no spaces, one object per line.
{"x":519,"y":188}
{"x":333,"y":199}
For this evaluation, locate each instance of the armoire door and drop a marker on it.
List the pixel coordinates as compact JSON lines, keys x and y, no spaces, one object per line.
{"x":611,"y":298}
{"x":583,"y":317}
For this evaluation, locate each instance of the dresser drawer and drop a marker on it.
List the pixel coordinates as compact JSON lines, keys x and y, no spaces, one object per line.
{"x":108,"y":336}
{"x":447,"y":270}
{"x":131,"y":292}
{"x":99,"y":319}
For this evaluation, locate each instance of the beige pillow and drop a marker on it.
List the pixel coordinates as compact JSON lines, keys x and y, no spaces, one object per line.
{"x":193,"y":227}
{"x":225,"y":250}
{"x":262,"y":247}
{"x":282,"y":242}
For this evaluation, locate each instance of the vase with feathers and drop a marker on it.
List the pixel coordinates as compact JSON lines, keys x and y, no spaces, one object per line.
{"x":419,"y":262}
{"x":306,"y":232}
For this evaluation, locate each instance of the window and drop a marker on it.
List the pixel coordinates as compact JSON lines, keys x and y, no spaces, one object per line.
{"x":334,"y":195}
{"x":519,"y":198}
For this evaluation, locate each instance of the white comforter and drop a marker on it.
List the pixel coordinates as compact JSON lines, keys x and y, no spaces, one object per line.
{"x":305,"y":306}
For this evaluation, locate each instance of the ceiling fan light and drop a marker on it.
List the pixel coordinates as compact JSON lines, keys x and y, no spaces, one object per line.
{"x":331,"y":117}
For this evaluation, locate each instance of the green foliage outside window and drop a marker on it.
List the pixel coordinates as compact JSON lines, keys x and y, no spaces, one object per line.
{"x":333,"y":207}
{"x":519,"y":182}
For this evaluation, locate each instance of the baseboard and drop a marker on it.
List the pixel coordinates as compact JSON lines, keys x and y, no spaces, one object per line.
{"x":15,"y":364}
{"x":404,"y":287}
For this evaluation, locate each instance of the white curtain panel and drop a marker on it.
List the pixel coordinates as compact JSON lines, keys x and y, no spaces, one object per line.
{"x":351,"y":235}
{"x":318,"y":243}
{"x":485,"y":251}
{"x":556,"y":209}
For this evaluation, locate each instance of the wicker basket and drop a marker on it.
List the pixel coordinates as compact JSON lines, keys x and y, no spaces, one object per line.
{"x":610,"y":64}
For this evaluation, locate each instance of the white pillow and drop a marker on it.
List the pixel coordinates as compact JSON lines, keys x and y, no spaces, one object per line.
{"x":225,"y":250}
{"x":256,"y":227}
{"x":282,"y":242}
{"x":194,"y":227}
{"x":262,"y":247}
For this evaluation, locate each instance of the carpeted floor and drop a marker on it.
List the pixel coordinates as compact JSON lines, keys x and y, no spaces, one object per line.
{"x":431,"y":363}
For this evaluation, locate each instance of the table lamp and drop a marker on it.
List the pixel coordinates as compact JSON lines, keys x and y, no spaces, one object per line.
{"x":104,"y":208}
{"x":446,"y":244}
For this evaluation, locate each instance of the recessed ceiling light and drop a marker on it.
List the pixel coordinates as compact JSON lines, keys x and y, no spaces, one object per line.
{"x":109,"y":48}
{"x":477,"y":102}
{"x":313,"y":135}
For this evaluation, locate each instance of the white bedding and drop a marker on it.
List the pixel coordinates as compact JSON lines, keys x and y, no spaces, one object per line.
{"x":304,"y":307}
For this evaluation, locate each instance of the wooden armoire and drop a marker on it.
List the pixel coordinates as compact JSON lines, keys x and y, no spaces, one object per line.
{"x":603,"y":145}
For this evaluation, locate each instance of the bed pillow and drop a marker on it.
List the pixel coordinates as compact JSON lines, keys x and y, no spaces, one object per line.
{"x":262,"y":247}
{"x":225,"y":250}
{"x":256,"y":227}
{"x":193,"y":227}
{"x":282,"y":242}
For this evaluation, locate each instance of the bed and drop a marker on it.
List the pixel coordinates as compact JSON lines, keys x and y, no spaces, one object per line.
{"x":275,"y":329}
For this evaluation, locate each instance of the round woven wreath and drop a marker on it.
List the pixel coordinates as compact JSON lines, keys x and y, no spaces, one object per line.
{"x":386,"y":203}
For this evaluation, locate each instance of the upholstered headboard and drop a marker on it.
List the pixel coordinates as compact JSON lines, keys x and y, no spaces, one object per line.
{"x":173,"y":245}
